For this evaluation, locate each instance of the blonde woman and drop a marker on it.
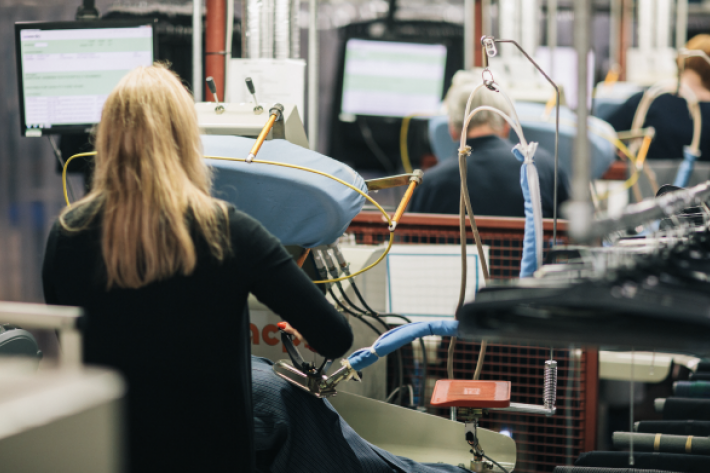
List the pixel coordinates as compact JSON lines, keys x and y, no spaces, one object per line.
{"x":163,"y":271}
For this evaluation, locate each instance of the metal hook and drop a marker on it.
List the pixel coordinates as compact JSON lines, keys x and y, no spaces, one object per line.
{"x":490,"y":83}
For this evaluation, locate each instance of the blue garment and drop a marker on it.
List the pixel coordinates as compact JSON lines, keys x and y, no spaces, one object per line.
{"x":532,"y":241}
{"x":296,"y":432}
{"x":493,"y":182}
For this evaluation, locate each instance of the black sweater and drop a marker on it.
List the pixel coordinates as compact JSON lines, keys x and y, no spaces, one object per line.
{"x":182,"y":343}
{"x":493,"y":182}
{"x":670,"y":117}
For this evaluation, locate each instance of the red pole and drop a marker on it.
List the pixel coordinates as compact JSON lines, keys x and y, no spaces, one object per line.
{"x":215,"y":26}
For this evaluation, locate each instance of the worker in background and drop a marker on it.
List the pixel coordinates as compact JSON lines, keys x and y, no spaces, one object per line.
{"x":163,"y":271}
{"x":493,"y":170}
{"x":669,"y":115}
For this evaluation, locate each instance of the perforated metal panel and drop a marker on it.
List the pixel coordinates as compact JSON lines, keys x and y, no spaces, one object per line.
{"x":543,"y":442}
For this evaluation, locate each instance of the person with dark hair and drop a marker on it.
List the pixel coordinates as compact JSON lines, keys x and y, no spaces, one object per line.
{"x":163,"y":271}
{"x":669,"y":115}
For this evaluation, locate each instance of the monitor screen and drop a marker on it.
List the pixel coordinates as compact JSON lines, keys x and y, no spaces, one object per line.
{"x":392,"y":79}
{"x":66,"y":70}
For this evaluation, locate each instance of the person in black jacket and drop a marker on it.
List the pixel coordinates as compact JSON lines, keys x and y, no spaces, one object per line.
{"x":669,"y":114}
{"x":163,"y":272}
{"x":493,"y":172}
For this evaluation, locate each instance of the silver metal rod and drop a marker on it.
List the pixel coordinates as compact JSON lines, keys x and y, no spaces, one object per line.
{"x":313,"y":74}
{"x":469,"y":33}
{"x":229,"y":34}
{"x":681,"y":23}
{"x":552,"y":33}
{"x":526,"y":409}
{"x":580,"y":210}
{"x":557,"y":132}
{"x":197,"y":50}
{"x":648,"y":210}
{"x":614,"y":33}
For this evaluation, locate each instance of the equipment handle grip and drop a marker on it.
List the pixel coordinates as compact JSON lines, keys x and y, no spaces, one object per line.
{"x":211,"y":85}
{"x":413,"y":182}
{"x":250,"y":85}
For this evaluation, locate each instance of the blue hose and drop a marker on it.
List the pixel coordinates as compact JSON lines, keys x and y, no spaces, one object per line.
{"x":685,"y":170}
{"x":398,"y":337}
{"x":532,"y":239}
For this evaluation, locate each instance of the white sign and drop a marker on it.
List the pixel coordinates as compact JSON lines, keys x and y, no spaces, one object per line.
{"x":275,"y":80}
{"x":423,"y":281}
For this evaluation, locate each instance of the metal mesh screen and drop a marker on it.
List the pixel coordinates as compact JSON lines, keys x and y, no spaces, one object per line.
{"x":542,"y":442}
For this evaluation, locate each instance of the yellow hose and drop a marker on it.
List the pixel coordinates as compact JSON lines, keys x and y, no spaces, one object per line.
{"x":286,"y":165}
{"x":403,"y":148}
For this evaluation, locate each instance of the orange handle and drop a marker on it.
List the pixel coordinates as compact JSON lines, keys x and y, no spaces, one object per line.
{"x":302,"y":259}
{"x":643,"y":151}
{"x":415,"y":180}
{"x":262,"y":136}
{"x":404,"y":202}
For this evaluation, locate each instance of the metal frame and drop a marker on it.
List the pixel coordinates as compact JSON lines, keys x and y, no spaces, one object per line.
{"x":65,"y":320}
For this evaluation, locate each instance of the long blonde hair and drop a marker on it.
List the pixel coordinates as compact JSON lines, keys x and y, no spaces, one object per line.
{"x":151,"y":185}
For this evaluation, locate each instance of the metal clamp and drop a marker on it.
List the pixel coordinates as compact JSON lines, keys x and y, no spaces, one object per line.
{"x":306,"y":376}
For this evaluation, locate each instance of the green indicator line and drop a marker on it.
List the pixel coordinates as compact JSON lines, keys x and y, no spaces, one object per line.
{"x":395,"y":57}
{"x":404,"y":85}
{"x":110,"y":45}
{"x":48,"y":84}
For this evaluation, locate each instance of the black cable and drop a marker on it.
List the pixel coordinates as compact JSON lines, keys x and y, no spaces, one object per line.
{"x":373,"y":146}
{"x":494,"y":462}
{"x":400,"y":361}
{"x":354,"y":314}
{"x":406,"y":319}
{"x":58,"y":155}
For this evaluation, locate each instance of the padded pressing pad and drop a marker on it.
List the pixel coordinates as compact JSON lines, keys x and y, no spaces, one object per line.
{"x":475,"y":394}
{"x":298,"y":207}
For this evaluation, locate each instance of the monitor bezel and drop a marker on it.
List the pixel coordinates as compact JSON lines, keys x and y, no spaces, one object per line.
{"x":69,"y":25}
{"x":385,"y":40}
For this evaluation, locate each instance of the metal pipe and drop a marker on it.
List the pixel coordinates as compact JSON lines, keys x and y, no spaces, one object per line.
{"x":614,"y":33}
{"x":580,"y":209}
{"x":526,"y":409}
{"x":313,"y":74}
{"x":64,"y":320}
{"x":197,"y":50}
{"x":228,"y":46}
{"x":557,"y":126}
{"x":282,"y":29}
{"x":252,"y":28}
{"x":215,"y":25}
{"x":469,"y":33}
{"x":681,"y":25}
{"x":552,"y":32}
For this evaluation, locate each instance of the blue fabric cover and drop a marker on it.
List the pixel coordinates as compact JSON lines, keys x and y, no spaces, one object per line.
{"x":298,"y":207}
{"x":529,"y":263}
{"x":685,"y":170}
{"x":398,"y":337}
{"x":542,"y":132}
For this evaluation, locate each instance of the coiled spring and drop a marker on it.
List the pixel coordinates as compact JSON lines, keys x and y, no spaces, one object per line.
{"x":549,"y":396}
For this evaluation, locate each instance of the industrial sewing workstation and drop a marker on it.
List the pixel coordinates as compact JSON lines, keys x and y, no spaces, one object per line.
{"x":570,"y":335}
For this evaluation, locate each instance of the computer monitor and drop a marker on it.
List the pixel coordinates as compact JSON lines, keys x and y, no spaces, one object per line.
{"x":65,"y":70}
{"x":392,"y":79}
